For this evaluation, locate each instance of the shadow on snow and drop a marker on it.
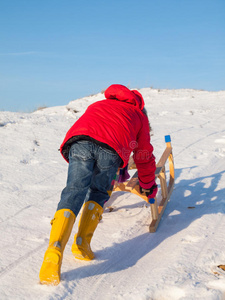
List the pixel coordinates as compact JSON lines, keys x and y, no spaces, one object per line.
{"x":201,"y":194}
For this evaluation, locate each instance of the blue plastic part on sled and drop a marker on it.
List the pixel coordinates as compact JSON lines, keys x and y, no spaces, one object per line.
{"x":167,"y":138}
{"x":151,"y":200}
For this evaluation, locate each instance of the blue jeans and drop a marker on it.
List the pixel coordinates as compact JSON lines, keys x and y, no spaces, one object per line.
{"x":90,"y":173}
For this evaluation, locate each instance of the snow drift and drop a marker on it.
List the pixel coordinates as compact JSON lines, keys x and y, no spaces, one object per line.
{"x":174,"y":263}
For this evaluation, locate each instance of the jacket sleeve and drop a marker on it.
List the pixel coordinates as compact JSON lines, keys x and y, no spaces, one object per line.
{"x":143,"y":156}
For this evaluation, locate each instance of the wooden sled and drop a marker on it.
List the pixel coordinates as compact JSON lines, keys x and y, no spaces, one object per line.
{"x":132,"y":185}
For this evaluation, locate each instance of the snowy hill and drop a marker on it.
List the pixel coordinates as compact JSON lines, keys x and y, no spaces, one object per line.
{"x":173,"y":263}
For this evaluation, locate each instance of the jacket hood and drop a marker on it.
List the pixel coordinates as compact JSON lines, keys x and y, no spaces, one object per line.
{"x":122,"y":93}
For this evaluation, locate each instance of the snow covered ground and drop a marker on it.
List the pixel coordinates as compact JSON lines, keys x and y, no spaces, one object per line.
{"x":131,"y":263}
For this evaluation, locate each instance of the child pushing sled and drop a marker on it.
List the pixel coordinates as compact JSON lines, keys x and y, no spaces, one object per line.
{"x":99,"y":143}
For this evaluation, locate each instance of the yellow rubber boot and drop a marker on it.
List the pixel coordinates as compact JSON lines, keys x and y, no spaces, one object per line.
{"x":90,"y":217}
{"x":62,"y":225}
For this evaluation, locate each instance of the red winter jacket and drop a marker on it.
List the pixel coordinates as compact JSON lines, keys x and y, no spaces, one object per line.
{"x":119,"y":122}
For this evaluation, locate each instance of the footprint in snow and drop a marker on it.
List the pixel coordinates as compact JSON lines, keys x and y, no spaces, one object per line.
{"x":221,"y":150}
{"x":191,"y":239}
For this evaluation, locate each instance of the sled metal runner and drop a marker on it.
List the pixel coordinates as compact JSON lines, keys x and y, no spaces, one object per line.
{"x":132,"y":185}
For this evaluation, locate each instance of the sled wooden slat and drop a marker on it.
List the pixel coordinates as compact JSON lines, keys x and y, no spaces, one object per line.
{"x":154,"y":211}
{"x":162,"y":178}
{"x":132,"y":185}
{"x":131,"y":164}
{"x":161,"y":208}
{"x":165,"y":190}
{"x":133,"y":181}
{"x":164,"y":157}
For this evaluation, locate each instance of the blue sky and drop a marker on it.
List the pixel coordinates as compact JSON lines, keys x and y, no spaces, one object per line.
{"x":52,"y":52}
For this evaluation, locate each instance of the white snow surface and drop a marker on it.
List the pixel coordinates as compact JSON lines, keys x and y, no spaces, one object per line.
{"x":174,"y":263}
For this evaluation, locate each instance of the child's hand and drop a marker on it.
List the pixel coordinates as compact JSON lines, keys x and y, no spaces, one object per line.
{"x":150,"y":192}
